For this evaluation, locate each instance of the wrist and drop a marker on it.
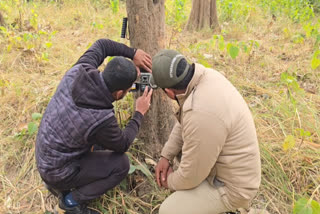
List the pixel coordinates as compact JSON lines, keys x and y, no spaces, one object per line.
{"x":169,"y":161}
{"x":134,"y":52}
{"x":164,"y":157}
{"x":141,"y":112}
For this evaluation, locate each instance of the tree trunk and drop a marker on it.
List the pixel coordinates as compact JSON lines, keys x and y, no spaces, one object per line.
{"x":1,"y":20}
{"x":203,"y":15}
{"x":146,"y":21}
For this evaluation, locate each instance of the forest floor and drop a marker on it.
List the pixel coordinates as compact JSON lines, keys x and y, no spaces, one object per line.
{"x":272,"y":70}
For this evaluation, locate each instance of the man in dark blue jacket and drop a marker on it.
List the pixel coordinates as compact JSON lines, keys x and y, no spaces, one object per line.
{"x":80,"y":115}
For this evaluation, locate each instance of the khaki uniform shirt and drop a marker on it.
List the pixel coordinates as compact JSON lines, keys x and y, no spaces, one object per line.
{"x":216,"y":134}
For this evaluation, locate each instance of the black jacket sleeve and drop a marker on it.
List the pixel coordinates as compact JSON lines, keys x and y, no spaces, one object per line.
{"x":103,"y":48}
{"x":110,"y":136}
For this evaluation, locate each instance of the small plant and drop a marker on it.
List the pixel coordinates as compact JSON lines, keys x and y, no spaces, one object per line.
{"x":34,"y":19}
{"x":233,"y":48}
{"x":292,"y":86}
{"x":297,"y":10}
{"x":315,"y":62}
{"x":33,"y":125}
{"x":305,"y":206}
{"x":175,"y":13}
{"x":234,"y":10}
{"x":31,"y":129}
{"x":138,"y":166}
{"x":114,"y":5}
{"x":288,"y":143}
{"x":97,"y":25}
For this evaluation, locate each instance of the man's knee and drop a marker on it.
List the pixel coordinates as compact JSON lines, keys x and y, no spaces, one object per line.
{"x":123,"y":165}
{"x":166,"y":207}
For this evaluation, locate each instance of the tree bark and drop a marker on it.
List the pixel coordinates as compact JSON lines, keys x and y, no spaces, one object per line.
{"x":146,"y":22}
{"x":1,"y":20}
{"x":203,"y":15}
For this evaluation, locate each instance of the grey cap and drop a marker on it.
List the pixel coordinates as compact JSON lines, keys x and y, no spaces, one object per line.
{"x":164,"y":68}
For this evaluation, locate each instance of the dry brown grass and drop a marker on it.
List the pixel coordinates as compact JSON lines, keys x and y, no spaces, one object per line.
{"x":27,"y":83}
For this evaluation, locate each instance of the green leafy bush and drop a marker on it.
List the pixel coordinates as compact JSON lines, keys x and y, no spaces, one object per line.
{"x":297,"y":10}
{"x":234,"y":10}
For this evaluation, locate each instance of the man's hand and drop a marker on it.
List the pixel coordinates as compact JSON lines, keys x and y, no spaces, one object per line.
{"x":162,"y":170}
{"x":164,"y":183}
{"x":143,"y":102}
{"x":142,"y":60}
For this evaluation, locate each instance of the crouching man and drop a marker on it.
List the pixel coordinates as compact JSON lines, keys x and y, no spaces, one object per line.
{"x":215,"y":134}
{"x":79,"y":116}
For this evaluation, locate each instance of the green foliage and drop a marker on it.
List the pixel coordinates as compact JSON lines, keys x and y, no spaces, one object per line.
{"x":97,"y":25}
{"x":33,"y":125}
{"x":292,"y":86}
{"x":315,"y":62}
{"x":34,"y":19}
{"x":179,"y":10}
{"x":36,"y":116}
{"x":298,"y":39}
{"x":311,"y":30}
{"x":135,"y":164}
{"x":29,"y":37}
{"x":132,"y":169}
{"x":114,"y":5}
{"x":176,"y":13}
{"x":288,"y":143}
{"x":233,"y":50}
{"x":305,"y":206}
{"x":315,"y":4}
{"x":304,"y":134}
{"x":142,"y":167}
{"x":234,"y":10}
{"x":31,"y":129}
{"x":296,"y":10}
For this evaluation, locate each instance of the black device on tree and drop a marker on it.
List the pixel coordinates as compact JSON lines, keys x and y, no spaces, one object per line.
{"x":144,"y":80}
{"x":124,"y":27}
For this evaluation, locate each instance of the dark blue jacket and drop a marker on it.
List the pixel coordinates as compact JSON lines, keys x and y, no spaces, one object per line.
{"x":80,"y":114}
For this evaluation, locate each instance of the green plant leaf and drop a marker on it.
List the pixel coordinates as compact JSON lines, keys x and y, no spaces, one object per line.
{"x":144,"y":169}
{"x":132,"y":169}
{"x":36,"y":116}
{"x":233,"y":50}
{"x":302,"y":207}
{"x":45,"y":56}
{"x":221,"y":43}
{"x":48,"y":44}
{"x":32,"y":128}
{"x":288,"y":143}
{"x":315,"y":63}
{"x":315,"y":206}
{"x":304,"y":133}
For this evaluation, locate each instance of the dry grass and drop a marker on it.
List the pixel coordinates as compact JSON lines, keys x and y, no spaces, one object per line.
{"x":27,"y":82}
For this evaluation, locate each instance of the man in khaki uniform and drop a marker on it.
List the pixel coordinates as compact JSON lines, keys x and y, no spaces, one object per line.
{"x":215,"y":134}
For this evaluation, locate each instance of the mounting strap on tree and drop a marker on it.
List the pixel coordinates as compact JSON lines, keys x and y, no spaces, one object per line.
{"x":124,"y":27}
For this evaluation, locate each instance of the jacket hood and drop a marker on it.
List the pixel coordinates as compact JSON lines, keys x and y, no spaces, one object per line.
{"x":90,"y":91}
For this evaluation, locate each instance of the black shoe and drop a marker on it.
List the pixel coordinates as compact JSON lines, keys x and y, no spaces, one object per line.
{"x":79,"y":209}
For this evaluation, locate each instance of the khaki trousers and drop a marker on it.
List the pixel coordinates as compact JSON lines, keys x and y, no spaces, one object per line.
{"x":204,"y":199}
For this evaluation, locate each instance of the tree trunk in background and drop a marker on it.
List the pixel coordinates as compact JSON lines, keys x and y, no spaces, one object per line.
{"x":1,"y":19}
{"x":146,"y":22}
{"x":203,"y":15}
